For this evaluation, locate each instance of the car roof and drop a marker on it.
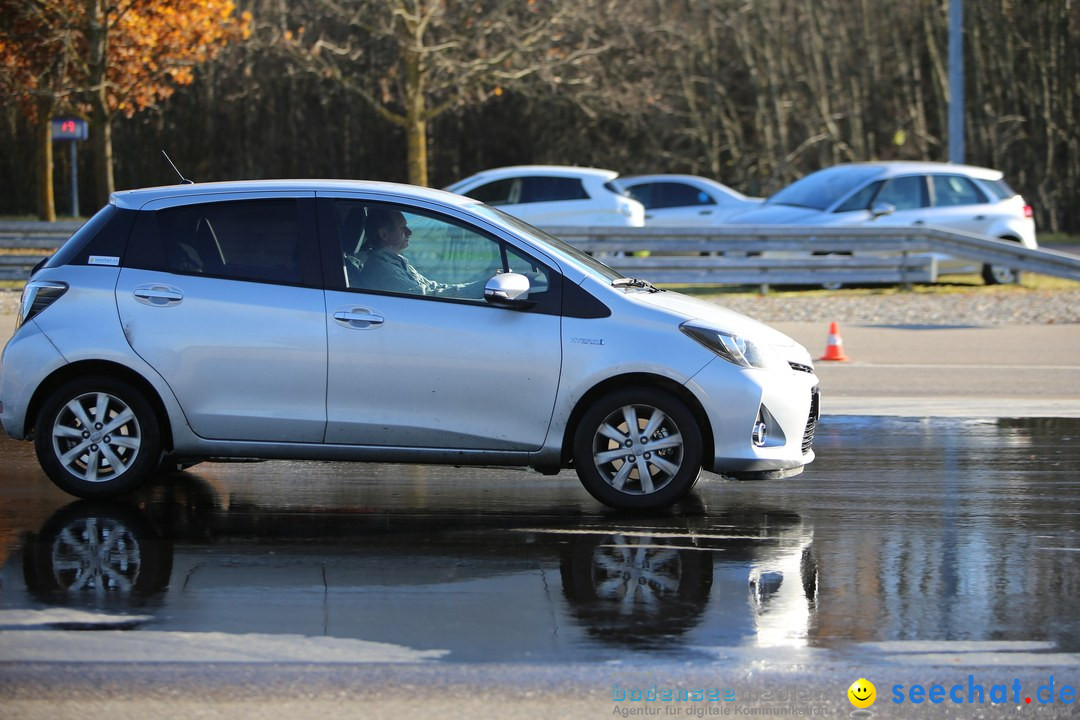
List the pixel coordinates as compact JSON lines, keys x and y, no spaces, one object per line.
{"x":135,"y":199}
{"x":559,"y":170}
{"x":667,"y":177}
{"x":908,"y":167}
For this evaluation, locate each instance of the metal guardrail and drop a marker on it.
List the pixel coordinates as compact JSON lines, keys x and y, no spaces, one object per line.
{"x":767,"y":255}
{"x":802,"y":255}
{"x":31,"y":242}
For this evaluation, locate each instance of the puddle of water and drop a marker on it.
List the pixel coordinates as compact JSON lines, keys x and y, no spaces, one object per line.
{"x":927,"y":530}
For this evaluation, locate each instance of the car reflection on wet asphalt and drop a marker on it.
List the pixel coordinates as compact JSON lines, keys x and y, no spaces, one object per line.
{"x":903,"y":529}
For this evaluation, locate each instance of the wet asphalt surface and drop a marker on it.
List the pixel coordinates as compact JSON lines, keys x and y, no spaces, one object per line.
{"x":909,"y":542}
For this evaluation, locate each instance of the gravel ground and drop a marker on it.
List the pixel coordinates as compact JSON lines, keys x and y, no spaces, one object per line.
{"x":1034,"y":307}
{"x":968,"y":308}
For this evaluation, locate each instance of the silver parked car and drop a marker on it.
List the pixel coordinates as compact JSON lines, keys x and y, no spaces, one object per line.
{"x":376,"y":322}
{"x":892,"y":194}
{"x":685,"y":200}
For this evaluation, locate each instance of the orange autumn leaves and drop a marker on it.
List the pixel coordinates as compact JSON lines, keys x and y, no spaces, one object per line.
{"x":48,"y":48}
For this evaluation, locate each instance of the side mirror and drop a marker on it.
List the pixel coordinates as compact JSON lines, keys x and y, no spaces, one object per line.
{"x":510,"y":290}
{"x":882,"y":208}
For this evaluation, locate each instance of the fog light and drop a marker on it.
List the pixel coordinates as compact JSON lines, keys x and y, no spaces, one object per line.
{"x":759,"y":434}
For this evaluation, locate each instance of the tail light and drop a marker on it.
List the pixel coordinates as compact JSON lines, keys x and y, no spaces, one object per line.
{"x":1028,"y":212}
{"x":36,"y":296}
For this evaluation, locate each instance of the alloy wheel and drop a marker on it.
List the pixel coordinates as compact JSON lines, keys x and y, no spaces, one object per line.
{"x":96,"y":437}
{"x":638,"y":449}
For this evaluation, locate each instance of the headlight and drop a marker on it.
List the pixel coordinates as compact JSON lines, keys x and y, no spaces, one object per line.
{"x":36,"y":296}
{"x":736,"y":349}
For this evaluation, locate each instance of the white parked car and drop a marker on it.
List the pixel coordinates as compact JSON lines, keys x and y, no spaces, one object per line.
{"x":686,"y":200}
{"x":377,"y":322}
{"x":892,"y":194}
{"x":555,"y":196}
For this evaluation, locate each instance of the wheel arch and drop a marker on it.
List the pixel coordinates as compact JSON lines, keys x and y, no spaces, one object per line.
{"x":83,"y":368}
{"x":622,"y":382}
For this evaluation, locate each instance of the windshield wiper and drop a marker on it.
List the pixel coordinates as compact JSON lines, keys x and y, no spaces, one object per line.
{"x":635,"y":282}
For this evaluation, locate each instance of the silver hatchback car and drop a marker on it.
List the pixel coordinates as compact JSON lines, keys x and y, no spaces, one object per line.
{"x":367,"y":321}
{"x":900,"y":194}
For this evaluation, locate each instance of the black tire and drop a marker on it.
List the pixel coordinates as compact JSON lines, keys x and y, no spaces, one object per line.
{"x":1000,"y":275}
{"x":115,"y":426}
{"x":655,"y":478}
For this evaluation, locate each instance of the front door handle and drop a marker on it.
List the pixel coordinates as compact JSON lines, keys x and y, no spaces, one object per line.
{"x":157,"y":295}
{"x":359,"y":318}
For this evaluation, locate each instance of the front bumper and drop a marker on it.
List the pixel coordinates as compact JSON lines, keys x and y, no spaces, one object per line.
{"x":734,"y":399}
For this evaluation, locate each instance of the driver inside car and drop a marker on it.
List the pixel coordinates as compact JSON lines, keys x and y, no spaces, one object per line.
{"x":386,"y":236}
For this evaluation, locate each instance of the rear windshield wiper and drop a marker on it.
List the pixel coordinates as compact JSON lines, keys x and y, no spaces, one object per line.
{"x":635,"y":282}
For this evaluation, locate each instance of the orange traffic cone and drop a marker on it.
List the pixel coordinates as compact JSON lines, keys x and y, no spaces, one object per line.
{"x":835,"y":349}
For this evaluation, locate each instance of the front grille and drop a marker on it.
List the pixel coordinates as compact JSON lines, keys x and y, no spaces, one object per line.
{"x":811,"y":423}
{"x":799,"y":367}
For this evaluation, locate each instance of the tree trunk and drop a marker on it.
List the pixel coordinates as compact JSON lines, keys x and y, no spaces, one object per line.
{"x":416,"y":141}
{"x":101,"y":145}
{"x":98,"y":45}
{"x":46,"y":201}
{"x":415,"y":119}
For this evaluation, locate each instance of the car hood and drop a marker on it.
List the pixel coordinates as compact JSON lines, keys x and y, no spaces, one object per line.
{"x":770,"y":214}
{"x":722,"y":318}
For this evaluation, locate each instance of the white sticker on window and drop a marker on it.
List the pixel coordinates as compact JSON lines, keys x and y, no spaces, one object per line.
{"x":104,"y":260}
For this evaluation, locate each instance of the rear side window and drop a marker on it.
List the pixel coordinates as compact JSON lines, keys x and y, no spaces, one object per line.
{"x":100,"y":241}
{"x":1000,"y":189}
{"x":257,"y":240}
{"x":951,"y":190}
{"x":551,"y":189}
{"x":500,"y":192}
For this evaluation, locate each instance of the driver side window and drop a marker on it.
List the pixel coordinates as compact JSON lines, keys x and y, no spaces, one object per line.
{"x":905,"y":193}
{"x":386,"y":248}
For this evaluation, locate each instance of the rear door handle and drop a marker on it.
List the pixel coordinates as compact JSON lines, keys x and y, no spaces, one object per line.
{"x":158,"y":295}
{"x":359,"y":318}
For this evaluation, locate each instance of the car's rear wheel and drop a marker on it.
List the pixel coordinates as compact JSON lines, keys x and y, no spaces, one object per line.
{"x":638,"y":448}
{"x":97,"y":437}
{"x":1000,"y":275}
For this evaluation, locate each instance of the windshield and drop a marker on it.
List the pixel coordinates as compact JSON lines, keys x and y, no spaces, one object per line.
{"x":542,"y":238}
{"x":824,"y":188}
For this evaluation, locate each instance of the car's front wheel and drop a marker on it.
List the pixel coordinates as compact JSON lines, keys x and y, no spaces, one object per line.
{"x":638,"y":448}
{"x":97,"y":437}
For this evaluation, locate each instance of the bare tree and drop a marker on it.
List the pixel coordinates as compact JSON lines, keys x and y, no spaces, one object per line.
{"x":413,"y":60}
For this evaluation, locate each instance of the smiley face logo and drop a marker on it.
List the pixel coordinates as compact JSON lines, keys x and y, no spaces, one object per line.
{"x":862,"y":693}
